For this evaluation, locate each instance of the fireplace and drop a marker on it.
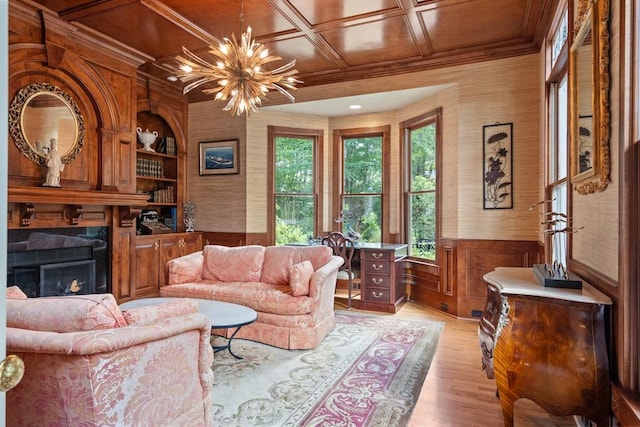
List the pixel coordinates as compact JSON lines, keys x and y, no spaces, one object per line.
{"x":48,"y":262}
{"x":62,"y":278}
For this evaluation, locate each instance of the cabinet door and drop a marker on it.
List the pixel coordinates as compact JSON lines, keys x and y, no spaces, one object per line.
{"x":170,"y":248}
{"x":147,"y":251}
{"x":192,"y":242}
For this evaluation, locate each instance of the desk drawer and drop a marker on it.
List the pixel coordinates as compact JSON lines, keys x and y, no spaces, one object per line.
{"x":377,"y":255}
{"x":377,"y":294}
{"x":378,"y":281}
{"x":377,"y":267}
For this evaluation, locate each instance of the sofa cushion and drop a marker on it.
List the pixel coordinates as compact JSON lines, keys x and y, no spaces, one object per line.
{"x":233,"y":264}
{"x":65,"y":314}
{"x":299,"y":276}
{"x":151,"y":313}
{"x":278,"y":259}
{"x":262,"y":297}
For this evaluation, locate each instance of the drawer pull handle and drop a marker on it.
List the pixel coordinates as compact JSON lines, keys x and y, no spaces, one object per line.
{"x":376,"y":294}
{"x":377,"y":267}
{"x":377,"y":255}
{"x":376,"y":281}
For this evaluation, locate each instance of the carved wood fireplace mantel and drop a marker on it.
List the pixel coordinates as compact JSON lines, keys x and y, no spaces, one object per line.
{"x":26,"y":201}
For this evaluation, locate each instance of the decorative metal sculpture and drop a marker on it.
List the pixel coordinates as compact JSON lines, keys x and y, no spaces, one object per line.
{"x":556,"y":274}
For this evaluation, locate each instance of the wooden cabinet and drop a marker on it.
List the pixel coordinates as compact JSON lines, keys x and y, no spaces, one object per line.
{"x":153,"y":252}
{"x":379,"y":281}
{"x":546,"y":344}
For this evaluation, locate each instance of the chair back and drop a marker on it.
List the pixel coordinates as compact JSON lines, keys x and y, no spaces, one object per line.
{"x":341,"y":246}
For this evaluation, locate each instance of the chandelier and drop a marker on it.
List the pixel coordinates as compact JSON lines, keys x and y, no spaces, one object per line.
{"x":239,"y":71}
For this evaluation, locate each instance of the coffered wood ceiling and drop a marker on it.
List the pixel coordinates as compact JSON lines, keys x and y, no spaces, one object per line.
{"x":332,"y":40}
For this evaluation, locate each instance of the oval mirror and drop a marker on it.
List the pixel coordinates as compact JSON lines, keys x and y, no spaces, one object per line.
{"x":41,"y":113}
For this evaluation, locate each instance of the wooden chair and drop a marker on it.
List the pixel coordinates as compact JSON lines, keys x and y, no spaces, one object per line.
{"x":343,"y":247}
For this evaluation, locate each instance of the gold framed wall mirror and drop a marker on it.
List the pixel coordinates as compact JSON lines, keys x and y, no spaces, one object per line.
{"x":41,"y":113}
{"x":589,"y":99}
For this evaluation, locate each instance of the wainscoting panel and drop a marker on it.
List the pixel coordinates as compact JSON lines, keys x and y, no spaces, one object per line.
{"x":455,"y":286}
{"x":478,"y":257}
{"x":224,"y":239}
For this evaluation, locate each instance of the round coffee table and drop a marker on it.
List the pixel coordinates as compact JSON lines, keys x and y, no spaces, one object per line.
{"x":222,"y":315}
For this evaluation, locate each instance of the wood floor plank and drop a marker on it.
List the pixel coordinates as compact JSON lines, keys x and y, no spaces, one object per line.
{"x":456,"y":391}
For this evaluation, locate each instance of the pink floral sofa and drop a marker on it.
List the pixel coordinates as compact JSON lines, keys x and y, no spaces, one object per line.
{"x":291,"y":288}
{"x":89,"y":364}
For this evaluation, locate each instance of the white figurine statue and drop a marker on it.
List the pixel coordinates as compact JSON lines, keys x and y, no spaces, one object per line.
{"x":54,"y":165}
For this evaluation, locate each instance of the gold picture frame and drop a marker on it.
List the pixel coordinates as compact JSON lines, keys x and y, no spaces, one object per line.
{"x":219,"y":157}
{"x":589,"y":97}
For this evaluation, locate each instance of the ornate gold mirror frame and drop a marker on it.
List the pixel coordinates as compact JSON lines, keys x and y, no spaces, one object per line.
{"x":589,"y":97}
{"x":41,"y":112}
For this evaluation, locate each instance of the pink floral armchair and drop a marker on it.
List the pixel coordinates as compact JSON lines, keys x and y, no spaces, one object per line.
{"x":87,"y":363}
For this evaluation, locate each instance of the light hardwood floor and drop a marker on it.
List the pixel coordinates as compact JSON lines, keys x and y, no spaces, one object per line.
{"x":456,"y":391}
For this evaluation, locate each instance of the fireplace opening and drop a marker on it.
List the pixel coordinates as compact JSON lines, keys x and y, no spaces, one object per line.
{"x":59,"y":261}
{"x":62,"y":278}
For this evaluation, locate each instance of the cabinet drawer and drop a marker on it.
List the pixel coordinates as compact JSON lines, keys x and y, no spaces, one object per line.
{"x":377,"y":267}
{"x":378,"y":281}
{"x":374,"y":255}
{"x":377,"y":294}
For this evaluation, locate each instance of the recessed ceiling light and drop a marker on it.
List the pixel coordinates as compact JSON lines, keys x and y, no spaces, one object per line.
{"x":355,"y":106}
{"x":172,"y":78}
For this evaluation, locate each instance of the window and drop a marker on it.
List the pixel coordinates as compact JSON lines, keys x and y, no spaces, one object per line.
{"x":293,"y":180}
{"x":558,"y":145}
{"x":362,"y":185}
{"x":422,"y":190}
{"x":560,"y":38}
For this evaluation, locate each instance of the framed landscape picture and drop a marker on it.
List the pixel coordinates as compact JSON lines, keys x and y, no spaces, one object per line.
{"x":219,"y":157}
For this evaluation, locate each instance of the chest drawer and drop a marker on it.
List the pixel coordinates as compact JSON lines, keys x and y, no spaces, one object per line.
{"x":378,"y":281}
{"x":377,"y":267}
{"x":377,"y":294}
{"x":377,"y":255}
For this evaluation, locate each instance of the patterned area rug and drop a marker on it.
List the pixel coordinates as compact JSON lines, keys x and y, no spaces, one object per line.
{"x":367,"y":372}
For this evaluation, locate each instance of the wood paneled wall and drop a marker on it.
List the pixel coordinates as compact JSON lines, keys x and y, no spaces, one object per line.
{"x":456,"y":285}
{"x":99,"y":186}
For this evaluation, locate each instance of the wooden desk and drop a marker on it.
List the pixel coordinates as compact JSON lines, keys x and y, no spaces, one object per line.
{"x":379,"y":284}
{"x":546,"y":344}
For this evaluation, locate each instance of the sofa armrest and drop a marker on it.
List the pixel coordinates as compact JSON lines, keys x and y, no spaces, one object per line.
{"x":151,"y":313}
{"x":322,"y":286}
{"x":103,"y":340}
{"x":116,"y":376}
{"x":185,"y":269}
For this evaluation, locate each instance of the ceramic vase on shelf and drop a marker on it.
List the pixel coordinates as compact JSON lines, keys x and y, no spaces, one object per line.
{"x":190,"y":222}
{"x":147,"y":138}
{"x":189,"y":209}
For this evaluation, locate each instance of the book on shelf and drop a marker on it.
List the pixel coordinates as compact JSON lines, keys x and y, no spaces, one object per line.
{"x":171,"y":145}
{"x":161,"y":147}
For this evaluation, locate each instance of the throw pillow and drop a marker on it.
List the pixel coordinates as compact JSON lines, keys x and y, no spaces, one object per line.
{"x":299,"y":277}
{"x":233,"y":264}
{"x":15,"y":292}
